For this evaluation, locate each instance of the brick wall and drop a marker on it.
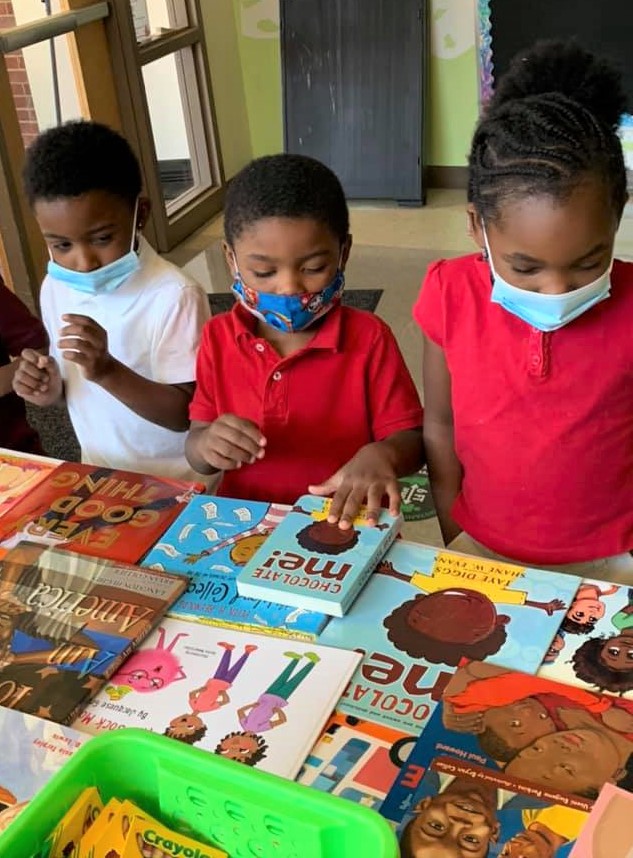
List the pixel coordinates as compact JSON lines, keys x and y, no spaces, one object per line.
{"x":19,"y":79}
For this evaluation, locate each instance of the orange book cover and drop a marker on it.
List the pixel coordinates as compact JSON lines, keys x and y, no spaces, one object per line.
{"x":102,"y":512}
{"x":19,"y":473}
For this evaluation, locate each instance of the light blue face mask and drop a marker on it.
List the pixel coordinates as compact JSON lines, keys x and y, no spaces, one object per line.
{"x":102,"y":280}
{"x":547,"y":312}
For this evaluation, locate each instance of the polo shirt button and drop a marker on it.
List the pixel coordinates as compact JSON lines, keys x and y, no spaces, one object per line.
{"x":536,"y":361}
{"x":276,"y":376}
{"x":259,"y":347}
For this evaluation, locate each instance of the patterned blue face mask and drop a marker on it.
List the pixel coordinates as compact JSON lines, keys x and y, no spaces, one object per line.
{"x":289,"y":313}
{"x":102,"y":280}
{"x":547,"y":312}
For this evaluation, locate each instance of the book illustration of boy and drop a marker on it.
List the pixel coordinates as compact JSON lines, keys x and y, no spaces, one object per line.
{"x":555,"y":648}
{"x":545,"y":831}
{"x":243,"y":747}
{"x":451,"y":623}
{"x":456,"y":819}
{"x":266,"y":712}
{"x":213,"y":695}
{"x":245,"y":544}
{"x":586,"y":609}
{"x":606,"y":663}
{"x":148,"y":670}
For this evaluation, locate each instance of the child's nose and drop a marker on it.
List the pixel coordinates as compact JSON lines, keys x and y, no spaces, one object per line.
{"x":557,"y":284}
{"x":85,"y":260}
{"x":290,"y":284}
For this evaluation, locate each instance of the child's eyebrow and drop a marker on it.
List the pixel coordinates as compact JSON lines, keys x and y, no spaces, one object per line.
{"x":261,"y":257}
{"x":525,"y":257}
{"x":93,"y":231}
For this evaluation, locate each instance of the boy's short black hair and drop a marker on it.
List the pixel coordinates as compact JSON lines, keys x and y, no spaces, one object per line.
{"x":291,"y":186}
{"x":78,"y":157}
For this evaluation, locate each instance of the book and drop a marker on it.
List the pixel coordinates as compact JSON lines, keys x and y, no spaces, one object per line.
{"x":593,"y":648}
{"x":257,"y":699}
{"x":424,"y":610}
{"x":33,"y":750}
{"x":356,"y":759}
{"x":608,"y":832}
{"x":97,"y":511}
{"x":211,"y":540}
{"x":66,"y":623}
{"x":20,"y":473}
{"x":309,"y":563}
{"x":562,"y":742}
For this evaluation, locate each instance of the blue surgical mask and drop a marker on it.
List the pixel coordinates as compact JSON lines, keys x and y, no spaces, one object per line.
{"x":547,"y":312}
{"x":289,"y":313}
{"x":102,"y":280}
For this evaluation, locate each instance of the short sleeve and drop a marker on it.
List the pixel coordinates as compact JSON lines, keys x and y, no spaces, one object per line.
{"x":428,"y":310}
{"x":394,"y":401}
{"x":203,"y":406}
{"x":19,"y":328}
{"x":178,"y":337}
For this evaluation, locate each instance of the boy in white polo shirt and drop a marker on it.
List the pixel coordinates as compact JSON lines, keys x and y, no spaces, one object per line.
{"x":123,"y":323}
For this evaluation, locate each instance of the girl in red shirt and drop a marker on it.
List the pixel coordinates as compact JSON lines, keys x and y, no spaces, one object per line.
{"x":528,"y":353}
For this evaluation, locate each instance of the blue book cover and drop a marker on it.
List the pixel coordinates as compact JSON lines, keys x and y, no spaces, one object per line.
{"x":424,"y":610}
{"x":210,"y":541}
{"x":312,"y":564}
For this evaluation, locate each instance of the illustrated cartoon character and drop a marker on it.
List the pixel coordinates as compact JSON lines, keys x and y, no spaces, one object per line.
{"x":607,"y":662}
{"x":148,"y":670}
{"x":555,"y":648}
{"x":242,"y":747}
{"x":245,"y":544}
{"x":266,"y":712}
{"x":586,"y":609}
{"x":545,"y":831}
{"x":190,"y":727}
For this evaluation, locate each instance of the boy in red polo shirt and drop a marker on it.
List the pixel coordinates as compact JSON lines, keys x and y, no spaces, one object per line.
{"x":294,"y":391}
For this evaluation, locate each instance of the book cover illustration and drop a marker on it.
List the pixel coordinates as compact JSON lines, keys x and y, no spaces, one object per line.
{"x":424,"y":610}
{"x":211,"y":540}
{"x":96,"y":511}
{"x":608,"y":832}
{"x":309,"y":563}
{"x":256,"y":699}
{"x":20,"y":473}
{"x":33,"y":750}
{"x":357,"y":760}
{"x":67,"y":621}
{"x":593,"y":647}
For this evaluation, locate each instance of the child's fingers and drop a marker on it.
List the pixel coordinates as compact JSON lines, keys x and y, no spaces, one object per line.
{"x":30,"y":356}
{"x":374,"y":502}
{"x":346,"y":505}
{"x":244,"y":427}
{"x":392,"y":490}
{"x":243,"y":440}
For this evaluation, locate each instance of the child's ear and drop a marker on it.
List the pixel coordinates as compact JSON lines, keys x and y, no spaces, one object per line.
{"x":345,"y":251}
{"x":142,"y":214}
{"x":229,"y":255}
{"x":474,"y":228}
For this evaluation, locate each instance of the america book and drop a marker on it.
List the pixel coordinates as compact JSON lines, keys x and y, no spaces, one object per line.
{"x":560,"y":743}
{"x":426,"y":609}
{"x":97,"y":511}
{"x":211,"y":541}
{"x":66,"y":623}
{"x":593,"y":647}
{"x":19,"y":473}
{"x":32,"y":751}
{"x":608,"y":832}
{"x":356,"y":759}
{"x":309,"y":563}
{"x":257,"y":699}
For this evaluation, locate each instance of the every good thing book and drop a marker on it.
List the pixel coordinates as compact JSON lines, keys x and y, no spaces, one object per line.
{"x":608,"y":832}
{"x":97,"y":511}
{"x":211,"y":540}
{"x":253,"y":698}
{"x":32,"y":751}
{"x":20,"y":473}
{"x":310,"y":563}
{"x":593,"y":648}
{"x":66,"y":623}
{"x":426,"y":609}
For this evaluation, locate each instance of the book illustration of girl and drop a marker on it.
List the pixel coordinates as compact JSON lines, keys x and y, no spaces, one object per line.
{"x":245,"y":544}
{"x":190,"y":727}
{"x":586,"y":609}
{"x":242,"y":747}
{"x":148,"y":670}
{"x":607,"y":662}
{"x":266,"y":712}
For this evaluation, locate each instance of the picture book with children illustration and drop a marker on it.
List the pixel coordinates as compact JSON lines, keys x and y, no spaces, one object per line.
{"x":608,"y":832}
{"x":19,"y":474}
{"x":211,"y":541}
{"x":257,"y":699}
{"x":33,"y":750}
{"x":96,"y":511}
{"x":593,"y":648}
{"x":356,"y":759}
{"x":67,"y":621}
{"x":425,"y":610}
{"x":310,"y":563}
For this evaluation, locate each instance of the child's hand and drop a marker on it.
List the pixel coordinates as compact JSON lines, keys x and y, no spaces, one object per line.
{"x":230,"y":442}
{"x":37,"y":378}
{"x":84,"y":342}
{"x":368,"y":477}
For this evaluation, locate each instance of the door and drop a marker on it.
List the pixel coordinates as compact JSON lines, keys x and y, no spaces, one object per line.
{"x":353,"y":80}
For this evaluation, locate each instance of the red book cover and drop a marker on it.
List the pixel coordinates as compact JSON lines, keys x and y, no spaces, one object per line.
{"x":102,"y":512}
{"x":19,"y":473}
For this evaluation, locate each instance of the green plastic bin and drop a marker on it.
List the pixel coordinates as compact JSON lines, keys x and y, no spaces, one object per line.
{"x":247,"y":813}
